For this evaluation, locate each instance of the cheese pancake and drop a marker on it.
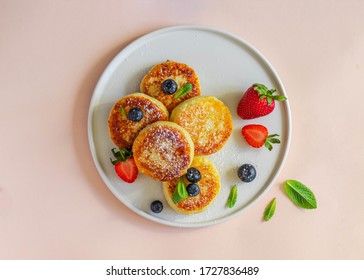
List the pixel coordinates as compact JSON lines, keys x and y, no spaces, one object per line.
{"x":180,"y":73}
{"x":122,"y":129}
{"x":209,"y":186}
{"x":163,"y":150}
{"x":207,"y":120}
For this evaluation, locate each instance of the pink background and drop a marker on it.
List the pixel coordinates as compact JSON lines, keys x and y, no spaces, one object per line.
{"x":53,"y":203}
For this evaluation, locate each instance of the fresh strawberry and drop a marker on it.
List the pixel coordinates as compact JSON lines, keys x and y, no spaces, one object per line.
{"x":124,"y":165}
{"x":257,"y":135}
{"x":257,"y":102}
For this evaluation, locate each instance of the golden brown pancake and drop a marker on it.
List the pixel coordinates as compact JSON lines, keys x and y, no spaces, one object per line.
{"x":163,"y":150}
{"x":124,"y":131}
{"x":209,"y":188}
{"x":207,"y":120}
{"x":181,"y":73}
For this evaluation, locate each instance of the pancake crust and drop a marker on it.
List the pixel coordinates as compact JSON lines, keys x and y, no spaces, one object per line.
{"x":207,"y":120}
{"x":181,"y":73}
{"x":209,"y":188}
{"x":163,"y":151}
{"x":123,"y":131}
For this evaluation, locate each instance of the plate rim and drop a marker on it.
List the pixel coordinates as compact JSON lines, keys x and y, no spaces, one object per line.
{"x":102,"y":81}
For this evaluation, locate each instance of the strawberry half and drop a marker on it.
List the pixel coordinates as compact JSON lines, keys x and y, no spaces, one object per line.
{"x":258,"y":101}
{"x":256,"y":135}
{"x":124,"y":165}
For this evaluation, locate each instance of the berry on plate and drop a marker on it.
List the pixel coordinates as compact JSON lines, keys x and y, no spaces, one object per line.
{"x":256,"y":135}
{"x":124,"y":165}
{"x":247,"y":173}
{"x":258,"y":101}
{"x":156,"y":206}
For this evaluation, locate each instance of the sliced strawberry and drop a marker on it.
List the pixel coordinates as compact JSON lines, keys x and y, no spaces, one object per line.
{"x":124,"y":164}
{"x":127,"y":170}
{"x":257,"y":102}
{"x":256,"y":135}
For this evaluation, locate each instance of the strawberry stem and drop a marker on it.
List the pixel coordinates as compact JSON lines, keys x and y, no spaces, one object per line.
{"x":271,"y":139}
{"x":121,"y":155}
{"x":264,"y":92}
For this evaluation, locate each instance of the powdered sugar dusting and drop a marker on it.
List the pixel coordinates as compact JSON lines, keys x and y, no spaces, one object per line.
{"x":162,"y":151}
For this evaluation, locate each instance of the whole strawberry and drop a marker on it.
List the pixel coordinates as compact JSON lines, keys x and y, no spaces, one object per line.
{"x":124,"y":165}
{"x":258,"y":101}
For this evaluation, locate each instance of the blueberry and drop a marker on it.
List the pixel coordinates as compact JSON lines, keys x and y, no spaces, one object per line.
{"x":193,"y":189}
{"x":135,"y":114}
{"x":247,"y":173}
{"x":169,"y":86}
{"x":156,"y":206}
{"x":193,"y":175}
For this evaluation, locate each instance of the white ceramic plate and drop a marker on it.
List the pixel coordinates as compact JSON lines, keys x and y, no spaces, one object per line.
{"x":226,"y":66}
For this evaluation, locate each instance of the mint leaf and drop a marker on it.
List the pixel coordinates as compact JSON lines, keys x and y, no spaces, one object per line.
{"x":301,"y":195}
{"x":180,"y":192}
{"x":269,"y":210}
{"x":175,"y":197}
{"x":122,"y":112}
{"x":183,"y":91}
{"x":181,"y":188}
{"x":233,"y":196}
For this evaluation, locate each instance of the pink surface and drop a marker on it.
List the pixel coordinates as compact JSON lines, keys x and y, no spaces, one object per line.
{"x":53,"y":203}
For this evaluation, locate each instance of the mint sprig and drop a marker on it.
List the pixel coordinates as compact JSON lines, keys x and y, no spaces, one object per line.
{"x":180,"y":192}
{"x":183,"y":91}
{"x":122,"y":112}
{"x":270,"y":210}
{"x":300,"y":194}
{"x":233,"y":196}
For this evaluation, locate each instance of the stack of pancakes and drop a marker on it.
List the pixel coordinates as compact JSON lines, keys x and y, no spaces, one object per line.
{"x":174,"y":133}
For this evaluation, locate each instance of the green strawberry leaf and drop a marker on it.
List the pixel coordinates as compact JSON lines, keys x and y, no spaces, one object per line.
{"x":279,"y":97}
{"x":261,"y":89}
{"x":300,"y":194}
{"x":261,"y":97}
{"x":274,"y":140}
{"x":183,"y":91}
{"x":268,"y":145}
{"x":264,"y":92}
{"x":233,"y":196}
{"x":273,"y":135}
{"x":121,"y":155}
{"x":269,"y":100}
{"x":271,"y":140}
{"x":270,"y":210}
